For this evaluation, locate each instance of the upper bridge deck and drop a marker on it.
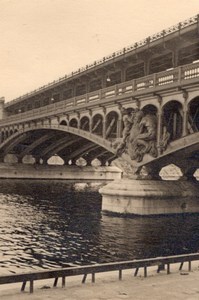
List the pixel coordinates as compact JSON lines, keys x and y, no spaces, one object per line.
{"x":168,"y":49}
{"x":171,"y":80}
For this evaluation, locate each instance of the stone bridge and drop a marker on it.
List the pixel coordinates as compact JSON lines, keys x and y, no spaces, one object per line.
{"x":139,"y":104}
{"x":102,"y":125}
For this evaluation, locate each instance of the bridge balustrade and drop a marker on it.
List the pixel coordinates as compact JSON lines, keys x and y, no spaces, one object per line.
{"x":166,"y":78}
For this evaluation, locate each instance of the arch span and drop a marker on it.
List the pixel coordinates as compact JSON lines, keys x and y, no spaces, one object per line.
{"x":52,"y":139}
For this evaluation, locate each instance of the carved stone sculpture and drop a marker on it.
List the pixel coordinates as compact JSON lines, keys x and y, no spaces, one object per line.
{"x":139,"y":136}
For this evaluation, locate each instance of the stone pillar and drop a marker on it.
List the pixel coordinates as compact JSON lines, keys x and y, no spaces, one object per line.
{"x":90,"y":120}
{"x":104,"y":81}
{"x":2,"y":112}
{"x":78,"y":120}
{"x":185,"y":121}
{"x":104,"y":128}
{"x":37,"y":160}
{"x":159,"y":124}
{"x":74,"y":89}
{"x":159,"y":129}
{"x":123,"y":74}
{"x":185,"y":114}
{"x":175,"y":58}
{"x":104,"y":123}
{"x":119,"y":127}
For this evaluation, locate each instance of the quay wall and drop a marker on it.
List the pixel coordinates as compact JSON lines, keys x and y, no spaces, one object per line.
{"x":28,"y":171}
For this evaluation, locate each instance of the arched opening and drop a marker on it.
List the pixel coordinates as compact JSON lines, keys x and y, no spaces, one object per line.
{"x":55,"y":160}
{"x":170,"y":172}
{"x":111,"y":125}
{"x":172,"y":119}
{"x":84,"y":123}
{"x":193,"y":117}
{"x":11,"y":132}
{"x":28,"y":159}
{"x":149,"y":110}
{"x":196,"y":174}
{"x":81,"y":162}
{"x":10,"y":158}
{"x":96,"y":162}
{"x":73,"y":123}
{"x":64,"y":123}
{"x":97,"y":127}
{"x":2,"y":136}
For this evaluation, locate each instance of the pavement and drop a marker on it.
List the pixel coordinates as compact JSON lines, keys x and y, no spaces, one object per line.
{"x":181,"y":285}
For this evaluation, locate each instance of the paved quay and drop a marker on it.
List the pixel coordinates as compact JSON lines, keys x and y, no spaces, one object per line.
{"x":181,"y":285}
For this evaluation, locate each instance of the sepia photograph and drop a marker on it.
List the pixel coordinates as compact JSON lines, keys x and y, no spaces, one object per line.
{"x":99,"y":149}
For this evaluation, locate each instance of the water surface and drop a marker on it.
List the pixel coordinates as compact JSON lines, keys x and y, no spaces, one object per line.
{"x":48,"y":224}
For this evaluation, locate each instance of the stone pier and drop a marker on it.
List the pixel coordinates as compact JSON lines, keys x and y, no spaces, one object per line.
{"x":150,"y":197}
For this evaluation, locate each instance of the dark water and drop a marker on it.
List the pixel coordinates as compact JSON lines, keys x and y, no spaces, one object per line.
{"x":48,"y":224}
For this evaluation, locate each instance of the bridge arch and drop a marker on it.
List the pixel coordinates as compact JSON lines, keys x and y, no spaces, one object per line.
{"x":193,"y":116}
{"x":69,"y":143}
{"x":85,"y":123}
{"x":63,"y":122}
{"x":112,"y":124}
{"x":98,"y":124}
{"x":173,"y":118}
{"x":150,"y":109}
{"x":73,"y":122}
{"x":2,"y":136}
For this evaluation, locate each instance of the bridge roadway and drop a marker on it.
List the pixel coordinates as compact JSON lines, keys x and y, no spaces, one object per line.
{"x":88,"y":126}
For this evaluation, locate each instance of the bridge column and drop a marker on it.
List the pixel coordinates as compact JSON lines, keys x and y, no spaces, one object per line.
{"x":185,"y":123}
{"x":37,"y":160}
{"x":185,"y":114}
{"x":19,"y":159}
{"x":90,"y":121}
{"x":2,"y":101}
{"x":159,"y":125}
{"x":119,"y":127}
{"x":104,"y":123}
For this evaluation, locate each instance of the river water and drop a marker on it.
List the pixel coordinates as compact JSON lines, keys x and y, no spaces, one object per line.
{"x":49,"y":224}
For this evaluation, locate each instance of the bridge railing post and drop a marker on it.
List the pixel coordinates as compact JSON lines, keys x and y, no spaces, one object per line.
{"x":180,"y":74}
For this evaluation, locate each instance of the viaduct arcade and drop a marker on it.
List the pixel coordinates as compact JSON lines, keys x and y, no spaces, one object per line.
{"x":82,"y":115}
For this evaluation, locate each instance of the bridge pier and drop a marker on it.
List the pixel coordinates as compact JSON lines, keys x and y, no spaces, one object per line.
{"x":150,"y":197}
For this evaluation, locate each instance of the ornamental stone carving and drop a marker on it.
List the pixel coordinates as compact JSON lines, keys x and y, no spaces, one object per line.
{"x":139,"y":135}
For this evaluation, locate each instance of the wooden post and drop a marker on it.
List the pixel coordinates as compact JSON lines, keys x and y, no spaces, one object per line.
{"x":31,"y":286}
{"x":120,"y":274}
{"x":93,"y":277}
{"x":189,"y":264}
{"x":63,"y":281}
{"x":145,"y":271}
{"x":84,"y":278}
{"x":55,"y":282}
{"x":168,"y":268}
{"x":136,"y":272}
{"x":23,"y":286}
{"x":180,"y":268}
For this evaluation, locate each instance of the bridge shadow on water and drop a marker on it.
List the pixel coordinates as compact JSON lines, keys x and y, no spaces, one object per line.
{"x":48,"y":224}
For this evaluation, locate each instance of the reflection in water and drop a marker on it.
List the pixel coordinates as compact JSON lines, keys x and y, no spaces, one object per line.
{"x":46,"y":224}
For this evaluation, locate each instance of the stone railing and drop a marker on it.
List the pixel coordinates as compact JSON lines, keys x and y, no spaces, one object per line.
{"x":107,"y":58}
{"x":137,"y":86}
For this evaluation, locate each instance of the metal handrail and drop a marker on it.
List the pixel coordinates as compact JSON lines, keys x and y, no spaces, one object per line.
{"x":99,"y":268}
{"x":146,"y":41}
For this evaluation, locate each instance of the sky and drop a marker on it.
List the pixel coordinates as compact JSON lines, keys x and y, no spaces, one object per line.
{"x":42,"y":40}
